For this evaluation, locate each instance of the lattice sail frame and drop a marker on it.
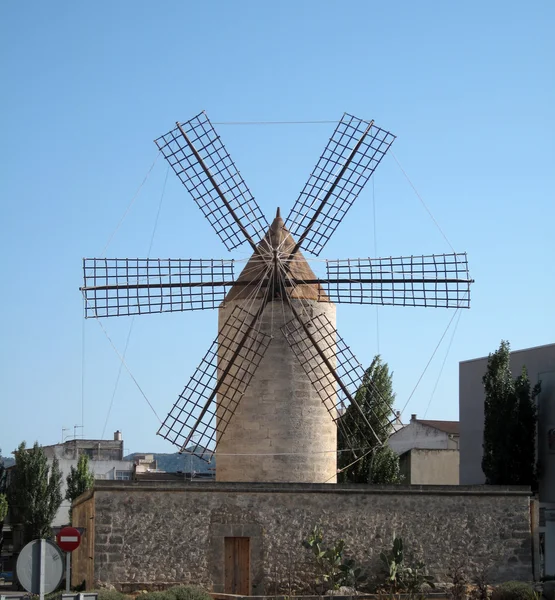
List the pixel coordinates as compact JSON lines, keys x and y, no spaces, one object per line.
{"x":196,"y":416}
{"x":348,"y":369}
{"x":434,"y":280}
{"x":207,"y":145}
{"x":132,"y":286}
{"x":348,"y":133}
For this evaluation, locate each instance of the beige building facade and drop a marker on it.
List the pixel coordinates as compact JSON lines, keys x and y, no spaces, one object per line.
{"x":420,"y":466}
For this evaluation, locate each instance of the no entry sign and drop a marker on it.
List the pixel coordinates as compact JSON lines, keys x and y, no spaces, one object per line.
{"x":68,"y":539}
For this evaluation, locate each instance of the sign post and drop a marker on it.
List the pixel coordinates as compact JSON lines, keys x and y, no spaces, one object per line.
{"x":40,"y":567}
{"x":68,"y":540}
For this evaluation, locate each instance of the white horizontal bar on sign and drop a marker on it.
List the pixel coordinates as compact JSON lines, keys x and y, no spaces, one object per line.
{"x":69,"y":538}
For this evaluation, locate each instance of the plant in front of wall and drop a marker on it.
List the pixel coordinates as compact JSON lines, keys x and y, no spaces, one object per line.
{"x":481,"y":580}
{"x":416,"y":577}
{"x":334,"y":570}
{"x":459,"y":580}
{"x":353,"y":574}
{"x":392,"y":564}
{"x":401,"y":577}
{"x":514,"y":590}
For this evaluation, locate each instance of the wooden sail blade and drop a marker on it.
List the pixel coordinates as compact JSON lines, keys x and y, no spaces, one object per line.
{"x":197,"y":155}
{"x":132,"y":286}
{"x":197,"y":422}
{"x":337,"y":376}
{"x":435,"y":280}
{"x":351,"y":156}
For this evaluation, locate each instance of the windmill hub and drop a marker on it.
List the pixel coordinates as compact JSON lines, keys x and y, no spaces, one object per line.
{"x":269,"y":394}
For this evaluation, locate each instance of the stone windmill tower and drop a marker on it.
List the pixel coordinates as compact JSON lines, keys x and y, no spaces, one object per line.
{"x":268,"y":394}
{"x":281,"y":425}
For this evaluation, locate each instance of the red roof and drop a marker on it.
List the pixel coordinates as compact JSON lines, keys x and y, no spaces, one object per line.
{"x":451,"y":427}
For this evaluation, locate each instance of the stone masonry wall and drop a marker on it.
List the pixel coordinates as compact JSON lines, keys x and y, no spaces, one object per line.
{"x":281,"y":430}
{"x":164,"y":533}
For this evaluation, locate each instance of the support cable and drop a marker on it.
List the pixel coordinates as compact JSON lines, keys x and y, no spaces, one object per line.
{"x":433,"y":354}
{"x":444,"y":361}
{"x":421,"y":200}
{"x":130,"y":205}
{"x":376,"y":256}
{"x":274,"y":122}
{"x":116,"y":385}
{"x":128,"y":370}
{"x":82,"y":377}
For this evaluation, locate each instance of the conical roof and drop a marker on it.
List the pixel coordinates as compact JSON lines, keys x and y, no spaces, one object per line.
{"x":256,"y":268}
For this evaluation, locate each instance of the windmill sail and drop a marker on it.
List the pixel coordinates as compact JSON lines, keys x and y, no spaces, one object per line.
{"x":336,"y":390}
{"x":198,"y":157}
{"x":351,"y":156}
{"x":225,"y":371}
{"x":116,"y":287}
{"x":434,"y":280}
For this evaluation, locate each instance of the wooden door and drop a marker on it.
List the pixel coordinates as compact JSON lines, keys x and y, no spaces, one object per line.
{"x":237,"y":566}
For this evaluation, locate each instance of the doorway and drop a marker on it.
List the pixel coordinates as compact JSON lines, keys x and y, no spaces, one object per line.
{"x":237,"y":565}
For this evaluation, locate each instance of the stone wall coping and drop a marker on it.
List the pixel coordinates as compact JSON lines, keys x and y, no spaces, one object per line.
{"x":83,"y":497}
{"x":310,"y":488}
{"x":335,"y":596}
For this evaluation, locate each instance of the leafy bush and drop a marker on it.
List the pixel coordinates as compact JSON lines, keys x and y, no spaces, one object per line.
{"x":400,"y":577}
{"x":167,"y":595}
{"x":110,"y":595}
{"x":187,"y":592}
{"x":514,"y":590}
{"x":335,"y":570}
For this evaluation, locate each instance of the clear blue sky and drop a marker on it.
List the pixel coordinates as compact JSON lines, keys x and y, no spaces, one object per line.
{"x":468,"y":88}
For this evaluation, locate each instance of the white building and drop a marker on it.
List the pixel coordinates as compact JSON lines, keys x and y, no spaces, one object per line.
{"x":422,"y":433}
{"x":105,"y":461}
{"x":428,"y":451}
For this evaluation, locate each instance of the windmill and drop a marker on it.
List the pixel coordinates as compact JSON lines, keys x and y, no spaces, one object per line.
{"x":270,"y":391}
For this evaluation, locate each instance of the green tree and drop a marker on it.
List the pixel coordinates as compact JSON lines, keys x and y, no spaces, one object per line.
{"x":3,"y":513}
{"x":3,"y":507}
{"x":34,"y":493}
{"x":3,"y":500}
{"x":510,"y":422}
{"x":375,"y":398}
{"x":385,"y":466}
{"x":79,"y":480}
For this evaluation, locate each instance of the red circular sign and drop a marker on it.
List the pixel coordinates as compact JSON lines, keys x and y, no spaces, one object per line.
{"x":68,"y":539}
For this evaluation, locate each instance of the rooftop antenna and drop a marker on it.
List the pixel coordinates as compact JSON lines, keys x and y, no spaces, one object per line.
{"x":276,"y":272}
{"x":63,"y":436}
{"x":75,"y":428}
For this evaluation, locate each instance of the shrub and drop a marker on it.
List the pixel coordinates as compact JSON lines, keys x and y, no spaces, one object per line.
{"x":334,"y":570}
{"x":188,"y":592}
{"x":514,"y":590}
{"x":167,"y":595}
{"x":400,"y":577}
{"x":110,"y":595}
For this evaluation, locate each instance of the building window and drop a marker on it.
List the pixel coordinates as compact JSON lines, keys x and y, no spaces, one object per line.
{"x":123,"y":475}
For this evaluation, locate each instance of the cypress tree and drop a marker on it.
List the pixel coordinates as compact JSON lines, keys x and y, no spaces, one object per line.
{"x":375,"y":397}
{"x":510,"y":421}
